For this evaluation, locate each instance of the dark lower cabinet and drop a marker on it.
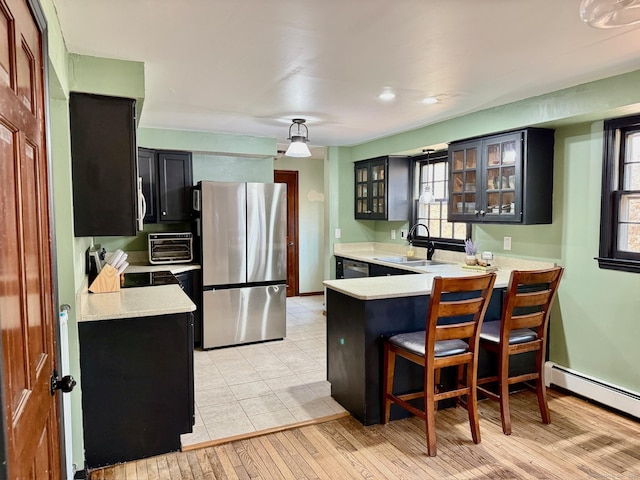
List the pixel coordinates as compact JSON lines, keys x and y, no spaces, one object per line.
{"x":376,"y":270}
{"x":191,"y":283}
{"x":137,"y":386}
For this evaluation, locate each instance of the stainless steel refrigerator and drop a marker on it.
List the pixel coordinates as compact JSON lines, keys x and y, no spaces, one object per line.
{"x":243,"y":238}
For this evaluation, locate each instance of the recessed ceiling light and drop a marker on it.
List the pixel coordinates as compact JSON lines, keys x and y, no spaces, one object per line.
{"x":387,"y":95}
{"x":429,"y":100}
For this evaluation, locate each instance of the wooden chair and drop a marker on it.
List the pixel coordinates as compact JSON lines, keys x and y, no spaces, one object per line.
{"x":460,"y":305}
{"x":522,"y":328}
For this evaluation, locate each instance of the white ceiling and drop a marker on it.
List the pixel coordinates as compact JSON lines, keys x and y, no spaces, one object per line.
{"x":250,"y":66}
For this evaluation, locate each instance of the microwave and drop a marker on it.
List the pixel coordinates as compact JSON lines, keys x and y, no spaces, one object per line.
{"x":165,"y":248}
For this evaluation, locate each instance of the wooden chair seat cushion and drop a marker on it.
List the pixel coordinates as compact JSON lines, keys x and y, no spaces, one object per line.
{"x":490,"y":332}
{"x":414,"y":343}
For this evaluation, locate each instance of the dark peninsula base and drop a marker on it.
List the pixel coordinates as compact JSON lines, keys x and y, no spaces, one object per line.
{"x":356,"y":330}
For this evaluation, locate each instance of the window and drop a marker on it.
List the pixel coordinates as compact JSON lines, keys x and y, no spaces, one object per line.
{"x":620,"y":213}
{"x":431,"y":176}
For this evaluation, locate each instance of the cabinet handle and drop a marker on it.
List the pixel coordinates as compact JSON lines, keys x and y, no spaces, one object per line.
{"x":164,"y":213}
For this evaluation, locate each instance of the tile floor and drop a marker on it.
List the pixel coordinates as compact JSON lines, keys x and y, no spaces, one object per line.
{"x":239,"y":390}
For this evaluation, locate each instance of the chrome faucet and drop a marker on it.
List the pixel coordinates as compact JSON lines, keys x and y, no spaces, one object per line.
{"x":430,"y":245}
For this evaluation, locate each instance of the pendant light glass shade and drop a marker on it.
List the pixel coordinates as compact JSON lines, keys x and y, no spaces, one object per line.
{"x":299,"y":138}
{"x":610,"y":13}
{"x":298,"y":149}
{"x":426,"y":196}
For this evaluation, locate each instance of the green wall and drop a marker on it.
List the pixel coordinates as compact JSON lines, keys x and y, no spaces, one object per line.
{"x":231,"y":169}
{"x":311,"y":231}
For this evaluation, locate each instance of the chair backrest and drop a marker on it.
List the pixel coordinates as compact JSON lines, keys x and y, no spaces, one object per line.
{"x":528,"y":300}
{"x":456,"y":309}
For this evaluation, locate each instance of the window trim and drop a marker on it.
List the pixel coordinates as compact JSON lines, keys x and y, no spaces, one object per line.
{"x":440,"y":243}
{"x":612,"y":176}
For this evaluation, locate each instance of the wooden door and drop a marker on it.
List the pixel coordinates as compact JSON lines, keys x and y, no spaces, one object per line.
{"x":291,"y":179}
{"x":26,"y":300}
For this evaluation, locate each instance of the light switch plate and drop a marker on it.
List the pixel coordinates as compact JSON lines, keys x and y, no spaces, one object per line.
{"x":338,"y":233}
{"x":506,"y":244}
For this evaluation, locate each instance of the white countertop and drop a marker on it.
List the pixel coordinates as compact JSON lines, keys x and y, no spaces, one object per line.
{"x":138,"y":301}
{"x":410,"y":285}
{"x":374,"y":288}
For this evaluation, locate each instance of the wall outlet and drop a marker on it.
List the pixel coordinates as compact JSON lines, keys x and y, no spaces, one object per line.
{"x":403,"y":234}
{"x":338,"y":233}
{"x":506,"y":244}
{"x":393,"y":234}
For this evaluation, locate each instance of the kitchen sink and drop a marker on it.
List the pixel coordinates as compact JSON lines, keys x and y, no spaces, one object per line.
{"x":410,"y":261}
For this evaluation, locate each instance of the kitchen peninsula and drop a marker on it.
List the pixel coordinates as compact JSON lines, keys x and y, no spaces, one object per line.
{"x":136,"y":364}
{"x":361,"y":312}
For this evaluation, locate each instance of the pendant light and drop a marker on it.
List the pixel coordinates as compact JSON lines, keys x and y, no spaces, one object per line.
{"x":426,"y":196}
{"x":299,"y":138}
{"x":610,"y":13}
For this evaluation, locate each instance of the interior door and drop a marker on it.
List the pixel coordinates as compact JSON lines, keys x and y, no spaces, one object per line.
{"x":26,"y":299}
{"x":291,"y":179}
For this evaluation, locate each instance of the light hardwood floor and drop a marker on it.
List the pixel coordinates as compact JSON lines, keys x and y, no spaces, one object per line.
{"x":583,"y":441}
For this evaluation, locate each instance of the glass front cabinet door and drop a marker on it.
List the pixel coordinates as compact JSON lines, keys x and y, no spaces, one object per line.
{"x":374,"y":179}
{"x":505,"y":178}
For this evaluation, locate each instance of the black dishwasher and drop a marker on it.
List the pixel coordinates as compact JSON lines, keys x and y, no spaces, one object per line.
{"x":355,"y":269}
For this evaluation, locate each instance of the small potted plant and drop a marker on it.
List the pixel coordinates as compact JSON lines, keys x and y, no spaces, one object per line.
{"x":471,"y":249}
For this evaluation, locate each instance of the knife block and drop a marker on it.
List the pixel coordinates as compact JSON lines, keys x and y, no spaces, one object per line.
{"x":107,"y":280}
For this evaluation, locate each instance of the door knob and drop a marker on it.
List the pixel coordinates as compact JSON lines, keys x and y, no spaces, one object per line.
{"x":291,"y":244}
{"x":65,"y":383}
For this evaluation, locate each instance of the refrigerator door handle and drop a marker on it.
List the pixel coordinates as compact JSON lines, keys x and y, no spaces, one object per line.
{"x":196,"y":200}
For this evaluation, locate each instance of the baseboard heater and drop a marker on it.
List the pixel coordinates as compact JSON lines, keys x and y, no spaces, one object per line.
{"x":612,"y":396}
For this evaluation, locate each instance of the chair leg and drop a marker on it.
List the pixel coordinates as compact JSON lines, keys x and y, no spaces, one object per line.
{"x":505,"y":415}
{"x":436,"y":381}
{"x":430,"y":411}
{"x":460,"y":384}
{"x":472,"y":405}
{"x":387,"y":381}
{"x":541,"y":390}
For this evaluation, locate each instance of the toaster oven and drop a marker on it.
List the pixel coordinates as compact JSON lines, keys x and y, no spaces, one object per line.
{"x":165,"y":248}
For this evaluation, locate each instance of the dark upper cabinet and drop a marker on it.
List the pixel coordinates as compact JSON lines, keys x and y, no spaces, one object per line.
{"x":167,"y":179}
{"x":503,"y":178}
{"x":148,"y":171}
{"x":382,"y":188}
{"x":175,"y":180}
{"x":103,"y":153}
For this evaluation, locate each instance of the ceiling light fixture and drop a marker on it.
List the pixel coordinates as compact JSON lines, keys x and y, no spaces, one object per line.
{"x":610,"y":13}
{"x":387,"y":95}
{"x":299,"y":138}
{"x":430,"y":100}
